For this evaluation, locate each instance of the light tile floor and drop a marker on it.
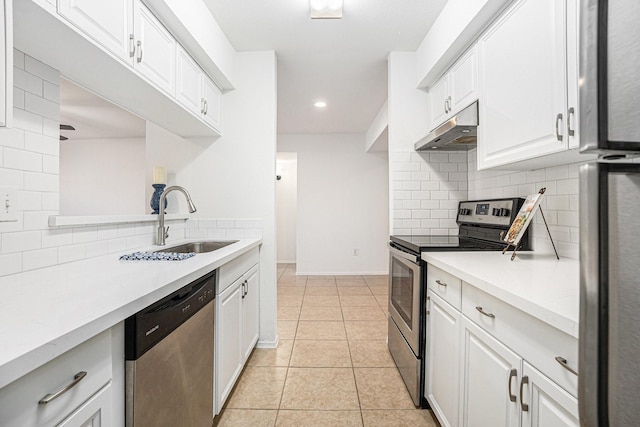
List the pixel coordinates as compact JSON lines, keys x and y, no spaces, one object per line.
{"x":331,"y":367}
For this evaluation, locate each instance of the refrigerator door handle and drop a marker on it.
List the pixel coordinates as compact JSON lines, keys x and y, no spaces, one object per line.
{"x":589,"y":342}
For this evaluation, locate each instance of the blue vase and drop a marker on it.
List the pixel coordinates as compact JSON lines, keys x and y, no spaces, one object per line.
{"x":155,"y":198}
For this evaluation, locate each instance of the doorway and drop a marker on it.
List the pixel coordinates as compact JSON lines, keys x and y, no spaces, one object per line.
{"x":287,"y":206}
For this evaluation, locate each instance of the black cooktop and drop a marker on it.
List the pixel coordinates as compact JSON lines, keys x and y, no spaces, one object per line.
{"x":435,"y":243}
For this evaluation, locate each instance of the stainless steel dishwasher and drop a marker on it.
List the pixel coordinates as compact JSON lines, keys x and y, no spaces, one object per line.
{"x":169,"y":359}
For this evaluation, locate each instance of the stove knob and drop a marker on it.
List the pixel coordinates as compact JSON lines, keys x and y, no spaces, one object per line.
{"x":495,"y":212}
{"x":505,"y":212}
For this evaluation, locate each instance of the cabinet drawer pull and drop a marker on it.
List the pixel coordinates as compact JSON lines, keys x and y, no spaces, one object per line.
{"x":132,"y":43}
{"x":523,"y":406}
{"x":50,"y":397}
{"x":139,"y":51}
{"x":512,"y":375}
{"x":491,"y":315}
{"x":558,"y":118}
{"x":441,"y":283}
{"x":570,"y":113}
{"x":563,"y":362}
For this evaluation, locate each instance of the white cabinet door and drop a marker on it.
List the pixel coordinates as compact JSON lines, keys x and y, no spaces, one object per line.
{"x":110,"y":23}
{"x":522,"y":68}
{"x":490,"y":375}
{"x":442,"y":386}
{"x":251,"y":310}
{"x":213,"y":104}
{"x":155,"y":50}
{"x":189,"y":82}
{"x":463,"y":81}
{"x":439,"y":102}
{"x":228,"y":341}
{"x":548,"y":404}
{"x":95,"y":412}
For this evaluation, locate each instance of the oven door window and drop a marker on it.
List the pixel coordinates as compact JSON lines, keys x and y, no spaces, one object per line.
{"x":402,"y":282}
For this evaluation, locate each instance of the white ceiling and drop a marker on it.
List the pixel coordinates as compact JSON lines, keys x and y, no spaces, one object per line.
{"x":340,"y":61}
{"x":94,"y":117}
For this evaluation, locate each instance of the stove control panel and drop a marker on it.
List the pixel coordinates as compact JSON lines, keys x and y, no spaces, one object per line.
{"x":498,"y":212}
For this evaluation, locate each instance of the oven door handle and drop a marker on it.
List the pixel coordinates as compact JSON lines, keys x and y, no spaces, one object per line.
{"x":409,"y":257}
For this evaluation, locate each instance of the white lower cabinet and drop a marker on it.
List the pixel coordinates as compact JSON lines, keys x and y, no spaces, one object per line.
{"x":443,"y":351}
{"x":491,"y":364}
{"x":80,"y":387}
{"x":489,"y":380}
{"x":548,"y":404}
{"x":236,"y":323}
{"x":228,"y":339}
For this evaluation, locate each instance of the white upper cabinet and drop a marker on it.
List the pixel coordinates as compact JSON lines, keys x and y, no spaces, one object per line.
{"x":188,"y":82}
{"x":524,"y":84}
{"x":6,"y":64}
{"x":212,"y":104}
{"x":155,"y":55}
{"x":455,"y":90}
{"x":196,"y":91}
{"x":110,"y":23}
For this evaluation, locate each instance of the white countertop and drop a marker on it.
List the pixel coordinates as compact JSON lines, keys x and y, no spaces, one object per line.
{"x":540,"y":285}
{"x":46,"y":312}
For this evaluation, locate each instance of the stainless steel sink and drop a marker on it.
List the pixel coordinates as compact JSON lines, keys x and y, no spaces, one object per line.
{"x":198,"y":247}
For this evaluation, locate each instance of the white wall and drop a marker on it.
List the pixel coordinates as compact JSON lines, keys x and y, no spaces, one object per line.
{"x":102,"y":177}
{"x":234,"y":176}
{"x":342,"y":204}
{"x":287,"y":206}
{"x":425,"y":187}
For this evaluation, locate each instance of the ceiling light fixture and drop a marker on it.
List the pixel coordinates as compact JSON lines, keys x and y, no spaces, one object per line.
{"x":320,"y":104}
{"x":325,"y":9}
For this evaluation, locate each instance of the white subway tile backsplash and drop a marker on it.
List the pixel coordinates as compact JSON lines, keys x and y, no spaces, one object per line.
{"x":45,"y":182}
{"x":41,"y":70}
{"x":27,"y":121}
{"x":36,"y":220}
{"x":55,"y":238}
{"x":18,"y":59}
{"x":51,"y":92}
{"x":51,"y":128}
{"x":29,"y":200}
{"x":216,"y":233}
{"x":27,"y":82}
{"x":50,"y":164}
{"x":71,"y":253}
{"x":12,"y":137}
{"x":117,"y":245}
{"x":84,"y":234}
{"x":10,"y":264}
{"x":41,"y":106}
{"x":39,"y":143}
{"x":18,"y":98}
{"x":225,"y":223}
{"x":51,"y":201}
{"x":99,"y":248}
{"x":20,"y":241}
{"x":39,"y":258}
{"x":22,"y":160}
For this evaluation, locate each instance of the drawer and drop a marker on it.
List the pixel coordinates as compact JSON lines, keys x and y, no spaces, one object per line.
{"x":534,"y":340}
{"x":19,"y":400}
{"x":231,"y":271}
{"x":445,"y":285}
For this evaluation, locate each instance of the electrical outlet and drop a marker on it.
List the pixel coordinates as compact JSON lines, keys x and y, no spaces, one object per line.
{"x":8,"y":208}
{"x":356,"y":252}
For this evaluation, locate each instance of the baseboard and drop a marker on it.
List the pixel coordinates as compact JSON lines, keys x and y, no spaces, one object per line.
{"x":268,"y":344}
{"x":286,"y":262}
{"x":342,"y":273}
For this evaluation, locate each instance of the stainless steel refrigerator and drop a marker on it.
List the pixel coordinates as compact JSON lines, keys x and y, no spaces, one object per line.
{"x":609,"y":365}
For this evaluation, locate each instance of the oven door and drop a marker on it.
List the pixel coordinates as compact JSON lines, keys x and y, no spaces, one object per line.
{"x":404,"y":295}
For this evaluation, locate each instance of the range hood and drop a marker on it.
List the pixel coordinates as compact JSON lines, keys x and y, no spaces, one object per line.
{"x":456,"y":134}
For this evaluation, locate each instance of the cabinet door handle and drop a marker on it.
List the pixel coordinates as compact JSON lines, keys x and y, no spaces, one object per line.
{"x":445,"y":106}
{"x":247,"y":282}
{"x":132,"y":49}
{"x":139,"y":51}
{"x":570,"y":113}
{"x":563,"y":362}
{"x":558,"y":118}
{"x":51,"y":397}
{"x":449,"y":103}
{"x":206,"y":107}
{"x":491,"y":315}
{"x":523,"y":406}
{"x":201,"y":105}
{"x":441,"y":283}
{"x":243,"y":289}
{"x":512,"y":375}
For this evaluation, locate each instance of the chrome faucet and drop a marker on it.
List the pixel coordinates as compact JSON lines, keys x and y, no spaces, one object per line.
{"x":163,"y":232}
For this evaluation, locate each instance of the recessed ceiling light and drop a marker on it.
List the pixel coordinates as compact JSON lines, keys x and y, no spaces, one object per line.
{"x":320,"y":104}
{"x":325,"y":9}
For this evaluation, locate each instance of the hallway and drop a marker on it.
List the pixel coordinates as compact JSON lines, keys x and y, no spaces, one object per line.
{"x":332,"y":366}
